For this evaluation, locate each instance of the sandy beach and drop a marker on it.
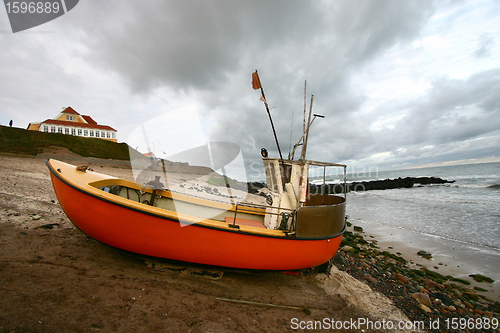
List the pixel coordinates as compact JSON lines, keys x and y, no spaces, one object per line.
{"x":56,"y":279}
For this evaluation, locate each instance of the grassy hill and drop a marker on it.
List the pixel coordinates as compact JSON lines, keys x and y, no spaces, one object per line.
{"x":20,"y":141}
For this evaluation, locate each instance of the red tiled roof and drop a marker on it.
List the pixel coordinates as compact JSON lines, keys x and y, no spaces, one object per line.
{"x":69,"y":109}
{"x":89,"y":119}
{"x":75,"y":124}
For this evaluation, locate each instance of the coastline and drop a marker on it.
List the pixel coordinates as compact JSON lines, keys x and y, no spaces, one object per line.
{"x":449,"y":257}
{"x":424,"y":292}
{"x":36,"y":235}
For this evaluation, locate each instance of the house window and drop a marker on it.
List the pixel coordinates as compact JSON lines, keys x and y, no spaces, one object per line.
{"x":52,"y":129}
{"x":59,"y":130}
{"x":91,"y":132}
{"x":113,"y":135}
{"x":73,"y":131}
{"x":72,"y":118}
{"x":103,"y":135}
{"x":85,"y":133}
{"x":107,"y":135}
{"x":66,"y":130}
{"x":45,"y":128}
{"x":80,"y":131}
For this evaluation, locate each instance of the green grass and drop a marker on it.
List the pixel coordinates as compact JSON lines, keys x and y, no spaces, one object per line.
{"x":20,"y":141}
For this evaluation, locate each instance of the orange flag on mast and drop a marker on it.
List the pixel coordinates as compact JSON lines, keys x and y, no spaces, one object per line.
{"x":256,"y":81}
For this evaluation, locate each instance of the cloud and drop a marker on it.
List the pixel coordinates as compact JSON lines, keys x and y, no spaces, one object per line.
{"x":454,"y":110}
{"x":485,"y":44}
{"x":411,"y":78}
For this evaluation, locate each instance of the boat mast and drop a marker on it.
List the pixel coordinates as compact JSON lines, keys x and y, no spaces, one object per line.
{"x":306,"y":134}
{"x":256,"y":85}
{"x":292,"y":154}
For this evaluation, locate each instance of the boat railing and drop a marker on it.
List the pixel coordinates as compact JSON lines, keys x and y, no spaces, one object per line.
{"x":247,"y":207}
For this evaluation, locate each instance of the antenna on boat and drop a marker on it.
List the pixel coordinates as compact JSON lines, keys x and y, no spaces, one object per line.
{"x":303,"y":135}
{"x":256,"y":85}
{"x":291,"y":132}
{"x":305,"y":105}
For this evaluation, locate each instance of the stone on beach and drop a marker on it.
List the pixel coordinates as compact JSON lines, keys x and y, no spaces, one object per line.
{"x":424,"y":254}
{"x":425,"y":308}
{"x":481,"y":278}
{"x":422,"y":298}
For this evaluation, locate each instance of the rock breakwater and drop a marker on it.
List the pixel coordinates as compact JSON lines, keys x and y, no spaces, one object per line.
{"x":386,"y":184}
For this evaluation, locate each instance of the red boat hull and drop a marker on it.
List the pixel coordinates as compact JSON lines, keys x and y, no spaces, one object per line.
{"x":154,"y":235}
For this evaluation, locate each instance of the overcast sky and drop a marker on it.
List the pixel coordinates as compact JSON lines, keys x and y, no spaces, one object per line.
{"x":401,"y":83}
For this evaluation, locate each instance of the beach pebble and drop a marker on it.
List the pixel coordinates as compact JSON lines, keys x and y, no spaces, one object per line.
{"x":443,"y":298}
{"x":471,"y":295}
{"x":401,"y":278}
{"x":424,"y":254}
{"x":431,"y":284}
{"x":371,"y":279}
{"x":347,"y":248}
{"x":422,"y":298}
{"x":365,"y":265}
{"x":425,"y":308}
{"x":339,"y":260}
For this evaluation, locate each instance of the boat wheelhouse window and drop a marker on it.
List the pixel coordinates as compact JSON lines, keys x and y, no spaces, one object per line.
{"x":286,"y":173}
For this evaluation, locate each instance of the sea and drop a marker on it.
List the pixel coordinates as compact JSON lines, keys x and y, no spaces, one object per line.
{"x":460,"y":220}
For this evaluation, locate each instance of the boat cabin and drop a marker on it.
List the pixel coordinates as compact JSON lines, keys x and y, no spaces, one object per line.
{"x":291,"y":203}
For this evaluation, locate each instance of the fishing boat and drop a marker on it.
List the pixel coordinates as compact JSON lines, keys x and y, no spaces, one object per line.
{"x":294,"y":229}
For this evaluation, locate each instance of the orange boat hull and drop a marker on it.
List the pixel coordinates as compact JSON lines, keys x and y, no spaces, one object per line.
{"x":154,"y":235}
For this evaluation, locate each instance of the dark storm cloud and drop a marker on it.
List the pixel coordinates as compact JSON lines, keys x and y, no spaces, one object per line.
{"x":194,"y":44}
{"x":130,"y":61}
{"x":197,"y":44}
